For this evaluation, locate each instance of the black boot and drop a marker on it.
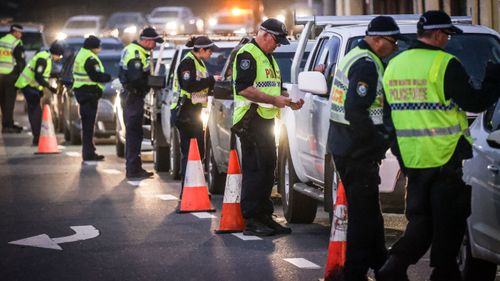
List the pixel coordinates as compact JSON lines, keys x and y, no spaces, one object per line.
{"x":394,"y":269}
{"x":257,"y":228}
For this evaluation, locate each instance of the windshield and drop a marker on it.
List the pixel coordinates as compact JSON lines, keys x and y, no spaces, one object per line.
{"x":111,"y":65}
{"x":81,"y":24}
{"x":473,"y":50}
{"x":217,"y":60}
{"x":122,"y":19}
{"x":32,"y":41}
{"x":285,"y":60}
{"x":165,"y":14}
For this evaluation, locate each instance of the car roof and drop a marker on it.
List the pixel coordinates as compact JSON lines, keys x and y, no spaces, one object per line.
{"x":169,"y":8}
{"x":126,"y":13}
{"x":110,"y":54}
{"x":86,"y":17}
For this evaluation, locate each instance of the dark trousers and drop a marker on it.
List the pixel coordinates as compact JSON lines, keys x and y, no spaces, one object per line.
{"x":186,"y":134}
{"x":437,"y":207}
{"x":7,"y":98}
{"x":32,"y":97}
{"x":88,"y":112}
{"x":258,"y":165}
{"x":133,"y":113}
{"x":365,"y":228}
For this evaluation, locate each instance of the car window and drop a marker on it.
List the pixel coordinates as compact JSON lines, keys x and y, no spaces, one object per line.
{"x":492,"y":118}
{"x":317,"y":53}
{"x":217,"y":60}
{"x":171,"y":72}
{"x":81,"y":24}
{"x":284,"y":60}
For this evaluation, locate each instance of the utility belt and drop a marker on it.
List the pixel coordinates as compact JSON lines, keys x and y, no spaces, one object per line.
{"x":242,"y":128}
{"x":86,"y":94}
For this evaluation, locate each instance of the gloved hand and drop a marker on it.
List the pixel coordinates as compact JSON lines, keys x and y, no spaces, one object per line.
{"x":53,"y":90}
{"x":492,"y":71}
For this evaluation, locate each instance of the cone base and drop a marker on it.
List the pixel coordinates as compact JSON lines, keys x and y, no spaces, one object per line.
{"x":55,"y":152}
{"x":227,"y":231}
{"x":179,"y":211}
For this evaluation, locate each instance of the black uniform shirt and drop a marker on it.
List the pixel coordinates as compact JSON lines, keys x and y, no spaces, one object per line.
{"x":362,"y":138}
{"x":93,"y":71}
{"x":186,"y":72}
{"x":457,"y":88}
{"x":247,"y":69}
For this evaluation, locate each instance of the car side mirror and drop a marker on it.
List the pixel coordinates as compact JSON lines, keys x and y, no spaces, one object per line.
{"x":313,"y":82}
{"x":493,"y":139}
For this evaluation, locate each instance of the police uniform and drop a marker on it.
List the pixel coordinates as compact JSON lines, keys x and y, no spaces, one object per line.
{"x":194,"y":83}
{"x":427,"y":91}
{"x":32,"y":80}
{"x":254,"y":68}
{"x":89,"y":78}
{"x":12,"y":62}
{"x":134,"y":69}
{"x":358,"y":142}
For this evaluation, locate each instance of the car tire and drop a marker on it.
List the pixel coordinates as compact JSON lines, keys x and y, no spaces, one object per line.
{"x":175,"y":154}
{"x":161,"y":157}
{"x":297,"y":207}
{"x":216,"y":181}
{"x":120,"y":146}
{"x":472,"y":268}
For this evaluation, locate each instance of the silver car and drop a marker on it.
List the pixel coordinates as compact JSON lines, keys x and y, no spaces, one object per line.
{"x":480,"y":251}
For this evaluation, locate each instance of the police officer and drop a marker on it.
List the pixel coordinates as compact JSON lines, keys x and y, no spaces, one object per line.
{"x":32,"y":81}
{"x":11,"y":64}
{"x":89,"y":76}
{"x":358,"y":142}
{"x":258,"y":96}
{"x":195,"y":83}
{"x":134,"y":69}
{"x":428,"y":91}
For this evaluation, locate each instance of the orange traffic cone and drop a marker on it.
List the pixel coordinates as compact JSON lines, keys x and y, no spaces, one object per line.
{"x":47,"y":142}
{"x":195,"y":192}
{"x":337,"y":248}
{"x":231,"y":218}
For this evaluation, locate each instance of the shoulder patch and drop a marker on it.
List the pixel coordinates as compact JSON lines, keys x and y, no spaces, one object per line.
{"x":39,"y":69}
{"x":186,"y":75}
{"x":245,"y":64}
{"x":97,"y":67}
{"x":362,"y":89}
{"x":137,"y":64}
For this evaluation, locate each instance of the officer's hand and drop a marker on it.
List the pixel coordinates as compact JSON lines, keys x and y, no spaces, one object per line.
{"x":53,"y":90}
{"x":284,"y":93}
{"x":281,"y":101}
{"x":296,"y":105}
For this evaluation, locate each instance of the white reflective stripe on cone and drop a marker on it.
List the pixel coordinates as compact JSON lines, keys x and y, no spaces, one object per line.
{"x":194,"y":174}
{"x":232,"y":193}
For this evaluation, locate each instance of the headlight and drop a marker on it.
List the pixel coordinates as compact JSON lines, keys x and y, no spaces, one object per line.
{"x":171,"y":25}
{"x":240,"y":31}
{"x":205,"y":112}
{"x":115,"y":33}
{"x":130,"y":29}
{"x":61,"y":36}
{"x":212,"y":21}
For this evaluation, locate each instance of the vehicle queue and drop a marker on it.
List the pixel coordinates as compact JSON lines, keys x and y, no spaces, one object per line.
{"x":358,"y":101}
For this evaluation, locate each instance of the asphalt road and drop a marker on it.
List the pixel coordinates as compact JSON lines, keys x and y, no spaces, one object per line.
{"x":139,"y":234}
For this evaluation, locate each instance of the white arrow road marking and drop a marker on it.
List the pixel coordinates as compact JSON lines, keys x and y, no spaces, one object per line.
{"x":167,"y":197}
{"x":302,"y":263}
{"x":203,"y":215}
{"x":73,"y":154}
{"x":111,"y":171}
{"x":246,"y":237}
{"x":82,"y":232}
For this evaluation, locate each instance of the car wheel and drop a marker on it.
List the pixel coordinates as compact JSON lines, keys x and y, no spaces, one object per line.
{"x":472,"y":268}
{"x":216,"y":181}
{"x":297,"y":207}
{"x":175,"y":154}
{"x":161,"y":157}
{"x":120,"y":146}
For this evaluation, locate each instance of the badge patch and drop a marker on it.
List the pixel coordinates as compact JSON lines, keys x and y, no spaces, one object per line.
{"x":137,"y":65}
{"x":39,"y":69}
{"x":97,"y":67}
{"x":245,"y":64}
{"x":186,"y":75}
{"x":362,"y":89}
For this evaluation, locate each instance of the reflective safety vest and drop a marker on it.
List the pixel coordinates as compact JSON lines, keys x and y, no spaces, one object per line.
{"x":27,"y":77}
{"x":134,"y":51}
{"x":7,"y":45}
{"x":201,"y":96}
{"x":267,"y":80}
{"x":341,"y":84}
{"x":80,"y":75}
{"x":175,"y":91}
{"x":428,"y":126}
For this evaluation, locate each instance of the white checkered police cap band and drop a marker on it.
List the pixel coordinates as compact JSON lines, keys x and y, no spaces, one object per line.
{"x":437,"y":26}
{"x":383,"y":33}
{"x":15,"y":28}
{"x":204,"y":46}
{"x":150,"y":38}
{"x":270,"y":31}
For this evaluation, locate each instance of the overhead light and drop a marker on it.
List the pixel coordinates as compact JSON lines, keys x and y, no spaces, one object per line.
{"x":61,"y":36}
{"x":236,"y":11}
{"x":130,"y":29}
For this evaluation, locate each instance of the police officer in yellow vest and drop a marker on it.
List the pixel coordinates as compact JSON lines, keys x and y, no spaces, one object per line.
{"x":12,"y":62}
{"x":32,"y":81}
{"x":258,"y":97}
{"x":195,"y":83}
{"x":89,"y":77}
{"x":427,"y":92}
{"x":134,"y":71}
{"x":358,"y":142}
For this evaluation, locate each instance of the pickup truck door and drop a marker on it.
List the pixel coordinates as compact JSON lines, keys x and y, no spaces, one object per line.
{"x":315,"y":114}
{"x":167,"y":98}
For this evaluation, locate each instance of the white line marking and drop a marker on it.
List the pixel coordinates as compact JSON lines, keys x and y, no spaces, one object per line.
{"x":61,"y":147}
{"x":111,"y":171}
{"x":302,"y":263}
{"x":247,"y":237}
{"x":137,"y":183}
{"x":167,"y":197}
{"x":73,"y":154}
{"x":29,"y":133}
{"x":203,"y":215}
{"x":90,"y":163}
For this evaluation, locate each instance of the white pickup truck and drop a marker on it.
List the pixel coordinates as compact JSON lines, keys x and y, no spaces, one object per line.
{"x":306,"y":170}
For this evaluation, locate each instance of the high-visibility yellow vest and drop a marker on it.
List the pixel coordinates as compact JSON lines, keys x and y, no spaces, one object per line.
{"x":7,"y":45}
{"x":80,"y":75}
{"x":267,"y":80}
{"x":201,"y":96}
{"x":134,"y":51}
{"x":27,"y":77}
{"x":428,"y":126}
{"x":341,"y":84}
{"x":175,"y":91}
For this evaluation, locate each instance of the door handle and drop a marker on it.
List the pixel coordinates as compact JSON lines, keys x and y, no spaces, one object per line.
{"x":493,"y":169}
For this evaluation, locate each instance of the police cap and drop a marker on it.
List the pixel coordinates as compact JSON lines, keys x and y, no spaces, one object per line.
{"x":150,"y":33}
{"x":276,"y":28}
{"x":384,"y":26}
{"x":92,"y":42}
{"x":56,"y":49}
{"x":433,"y":20}
{"x":16,"y":27}
{"x":202,"y":42}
